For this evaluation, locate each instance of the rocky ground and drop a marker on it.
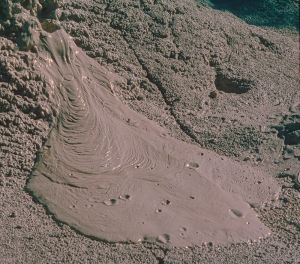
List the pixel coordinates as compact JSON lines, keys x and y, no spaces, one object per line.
{"x":206,"y":76}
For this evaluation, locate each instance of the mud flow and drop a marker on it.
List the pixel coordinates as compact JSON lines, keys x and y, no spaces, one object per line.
{"x":112,"y":174}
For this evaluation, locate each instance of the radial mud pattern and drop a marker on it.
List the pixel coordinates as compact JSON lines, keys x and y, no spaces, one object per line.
{"x":112,"y":174}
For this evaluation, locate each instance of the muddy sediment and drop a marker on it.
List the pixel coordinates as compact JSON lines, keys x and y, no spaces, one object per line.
{"x":206,"y":77}
{"x":100,"y":151}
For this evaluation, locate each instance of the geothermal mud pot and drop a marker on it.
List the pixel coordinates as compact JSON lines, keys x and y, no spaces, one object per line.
{"x":112,"y":174}
{"x":169,"y":124}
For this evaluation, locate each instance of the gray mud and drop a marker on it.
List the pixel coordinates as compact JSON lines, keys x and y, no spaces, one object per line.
{"x":207,"y":78}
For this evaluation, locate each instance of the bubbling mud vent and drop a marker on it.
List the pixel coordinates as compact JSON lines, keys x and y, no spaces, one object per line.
{"x":112,"y":174}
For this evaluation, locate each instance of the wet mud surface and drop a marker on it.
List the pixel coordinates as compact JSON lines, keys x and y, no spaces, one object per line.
{"x":81,"y":114}
{"x":123,"y":175}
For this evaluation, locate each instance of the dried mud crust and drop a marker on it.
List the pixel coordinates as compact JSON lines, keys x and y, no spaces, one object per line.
{"x":30,"y":235}
{"x":24,"y":110}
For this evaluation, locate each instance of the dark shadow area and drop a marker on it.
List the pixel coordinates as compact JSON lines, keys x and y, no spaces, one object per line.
{"x":49,"y":26}
{"x":289,"y":129}
{"x":264,"y":13}
{"x":228,"y":85}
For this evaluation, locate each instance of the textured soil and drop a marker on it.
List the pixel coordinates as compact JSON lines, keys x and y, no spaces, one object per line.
{"x":206,"y":76}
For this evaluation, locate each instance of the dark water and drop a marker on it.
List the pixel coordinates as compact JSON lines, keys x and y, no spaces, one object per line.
{"x":265,"y":13}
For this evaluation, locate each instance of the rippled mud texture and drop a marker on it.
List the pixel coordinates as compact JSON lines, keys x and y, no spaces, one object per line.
{"x":112,"y":174}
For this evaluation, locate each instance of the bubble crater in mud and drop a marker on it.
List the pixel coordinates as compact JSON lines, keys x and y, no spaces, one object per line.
{"x":110,"y":202}
{"x":192,"y":165}
{"x":235,"y":213}
{"x":129,"y":171}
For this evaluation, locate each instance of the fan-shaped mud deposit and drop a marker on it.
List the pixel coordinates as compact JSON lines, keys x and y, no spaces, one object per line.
{"x":112,"y":174}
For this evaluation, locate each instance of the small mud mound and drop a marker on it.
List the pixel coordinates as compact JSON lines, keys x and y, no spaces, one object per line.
{"x":229,"y":85}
